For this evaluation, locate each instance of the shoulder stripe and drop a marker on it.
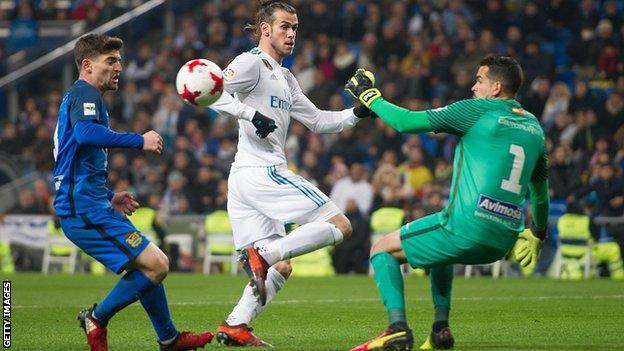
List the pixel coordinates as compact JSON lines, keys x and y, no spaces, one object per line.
{"x":267,"y":64}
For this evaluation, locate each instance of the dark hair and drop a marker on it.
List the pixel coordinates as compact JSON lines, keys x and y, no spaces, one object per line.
{"x":574,"y":207}
{"x":505,"y":69}
{"x":91,"y":45}
{"x":265,"y":14}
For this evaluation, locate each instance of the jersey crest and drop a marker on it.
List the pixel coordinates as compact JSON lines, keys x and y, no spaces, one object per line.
{"x":89,"y":108}
{"x":229,"y":74}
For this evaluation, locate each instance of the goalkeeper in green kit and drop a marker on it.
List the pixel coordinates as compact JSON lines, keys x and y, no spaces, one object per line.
{"x":500,"y":155}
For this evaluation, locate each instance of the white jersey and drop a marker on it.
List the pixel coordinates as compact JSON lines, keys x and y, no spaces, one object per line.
{"x":258,"y":82}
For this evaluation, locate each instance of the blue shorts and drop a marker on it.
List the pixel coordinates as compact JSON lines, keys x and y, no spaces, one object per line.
{"x":106,"y":236}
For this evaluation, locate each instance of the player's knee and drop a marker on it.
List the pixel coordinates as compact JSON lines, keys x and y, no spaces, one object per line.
{"x":390,"y":243}
{"x":284,"y":268}
{"x":160,"y":268}
{"x":376,"y":248}
{"x":344,"y":225}
{"x":382,"y":245}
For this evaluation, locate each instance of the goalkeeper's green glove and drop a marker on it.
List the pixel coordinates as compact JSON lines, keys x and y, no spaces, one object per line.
{"x":362,"y":87}
{"x":528,"y":246}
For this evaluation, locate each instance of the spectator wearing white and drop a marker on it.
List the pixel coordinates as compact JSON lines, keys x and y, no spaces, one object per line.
{"x":166,"y":117}
{"x":557,"y":102}
{"x":354,"y":187}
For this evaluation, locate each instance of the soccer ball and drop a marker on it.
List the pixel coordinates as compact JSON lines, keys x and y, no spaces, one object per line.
{"x":200,"y":82}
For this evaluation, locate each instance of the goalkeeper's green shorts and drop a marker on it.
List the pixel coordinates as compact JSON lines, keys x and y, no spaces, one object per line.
{"x":427,"y":244}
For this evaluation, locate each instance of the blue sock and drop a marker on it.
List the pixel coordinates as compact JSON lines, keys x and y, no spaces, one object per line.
{"x":129,"y":288}
{"x":155,"y":304}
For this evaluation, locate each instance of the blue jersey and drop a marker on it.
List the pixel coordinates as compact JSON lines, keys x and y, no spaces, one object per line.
{"x":80,"y":170}
{"x":81,"y":140}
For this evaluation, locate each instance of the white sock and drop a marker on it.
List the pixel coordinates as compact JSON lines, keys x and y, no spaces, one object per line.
{"x":307,"y":238}
{"x":248,"y":306}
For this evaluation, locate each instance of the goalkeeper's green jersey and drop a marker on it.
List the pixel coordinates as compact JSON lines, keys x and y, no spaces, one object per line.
{"x":500,"y":150}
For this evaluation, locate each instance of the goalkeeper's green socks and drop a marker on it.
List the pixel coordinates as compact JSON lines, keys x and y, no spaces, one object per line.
{"x":390,"y":284}
{"x":441,"y":286}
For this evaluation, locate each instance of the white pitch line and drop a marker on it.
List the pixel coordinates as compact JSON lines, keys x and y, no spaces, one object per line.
{"x":298,"y":301}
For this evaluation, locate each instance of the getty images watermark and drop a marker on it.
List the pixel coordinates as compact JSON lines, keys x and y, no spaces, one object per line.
{"x":6,"y":314}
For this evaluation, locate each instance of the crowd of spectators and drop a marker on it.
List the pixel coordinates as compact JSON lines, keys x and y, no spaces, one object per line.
{"x":424,"y":53}
{"x":24,"y":18}
{"x":96,"y":11}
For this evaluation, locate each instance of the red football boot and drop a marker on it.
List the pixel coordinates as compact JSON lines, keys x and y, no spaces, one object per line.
{"x":96,"y":333}
{"x":238,"y":335}
{"x":188,"y":341}
{"x":256,"y":268}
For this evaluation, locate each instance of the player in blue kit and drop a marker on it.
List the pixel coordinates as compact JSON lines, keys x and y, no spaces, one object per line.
{"x":92,"y":216}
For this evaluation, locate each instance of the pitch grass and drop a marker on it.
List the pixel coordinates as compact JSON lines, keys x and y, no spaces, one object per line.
{"x":334,"y":313}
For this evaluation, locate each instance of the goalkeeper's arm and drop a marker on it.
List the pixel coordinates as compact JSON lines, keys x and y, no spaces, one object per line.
{"x":530,"y":241}
{"x":362,"y":87}
{"x":401,"y":119}
{"x":539,"y":205}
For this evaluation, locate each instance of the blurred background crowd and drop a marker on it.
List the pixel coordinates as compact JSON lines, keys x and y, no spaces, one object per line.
{"x":424,"y":54}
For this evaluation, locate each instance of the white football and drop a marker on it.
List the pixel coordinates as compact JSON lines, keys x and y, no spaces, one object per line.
{"x":200,"y":82}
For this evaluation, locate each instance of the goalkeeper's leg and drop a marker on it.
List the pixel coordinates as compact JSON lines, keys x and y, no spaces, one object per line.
{"x":386,"y":258}
{"x":441,"y":286}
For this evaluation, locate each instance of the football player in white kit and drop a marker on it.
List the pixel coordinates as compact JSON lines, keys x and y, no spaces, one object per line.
{"x":263,"y":194}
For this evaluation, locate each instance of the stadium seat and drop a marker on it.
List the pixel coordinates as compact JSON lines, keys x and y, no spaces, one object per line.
{"x":575,"y":245}
{"x":570,"y":254}
{"x":219,"y":242}
{"x":609,"y":252}
{"x":497,"y":268}
{"x":317,"y":263}
{"x":6,"y":258}
{"x":143,"y":219}
{"x":384,"y":221}
{"x":59,"y":251}
{"x":314,"y":264}
{"x":578,"y":258}
{"x":183,"y":230}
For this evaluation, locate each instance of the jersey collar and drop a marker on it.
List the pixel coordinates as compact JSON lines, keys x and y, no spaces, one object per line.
{"x":269,"y":58}
{"x":511,"y":102}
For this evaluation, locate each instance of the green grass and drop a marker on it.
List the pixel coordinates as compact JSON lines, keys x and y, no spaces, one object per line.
{"x":334,"y":313}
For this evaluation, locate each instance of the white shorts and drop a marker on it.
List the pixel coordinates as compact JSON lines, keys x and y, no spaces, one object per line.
{"x":261,"y":200}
